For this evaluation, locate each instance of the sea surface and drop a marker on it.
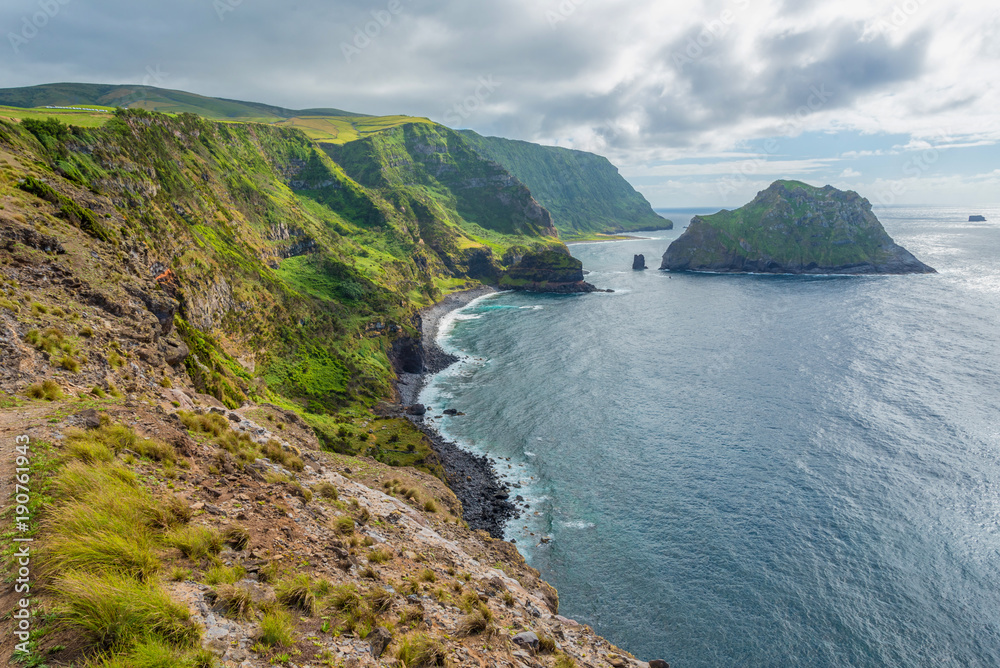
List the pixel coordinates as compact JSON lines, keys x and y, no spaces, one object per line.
{"x":755,"y":470}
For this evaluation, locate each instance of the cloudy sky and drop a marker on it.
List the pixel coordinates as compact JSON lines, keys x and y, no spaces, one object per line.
{"x":700,"y":103}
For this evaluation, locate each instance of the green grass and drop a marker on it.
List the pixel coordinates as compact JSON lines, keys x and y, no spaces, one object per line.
{"x":195,"y":542}
{"x":277,"y":629}
{"x":419,"y":650}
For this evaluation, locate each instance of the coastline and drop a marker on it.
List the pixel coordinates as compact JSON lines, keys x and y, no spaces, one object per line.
{"x":473,"y":479}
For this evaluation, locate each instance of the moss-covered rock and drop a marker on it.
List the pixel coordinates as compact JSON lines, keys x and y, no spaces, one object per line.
{"x":547,"y":271}
{"x":792,"y":228}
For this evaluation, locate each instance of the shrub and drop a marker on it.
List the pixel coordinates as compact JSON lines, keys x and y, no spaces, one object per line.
{"x":430,"y":506}
{"x":48,"y":390}
{"x":344,"y":525}
{"x":277,"y":453}
{"x":546,"y":644}
{"x":70,"y":363}
{"x":327,"y":490}
{"x":112,"y":610}
{"x":427,"y":575}
{"x":195,"y":542}
{"x":224,"y":575}
{"x":298,"y":490}
{"x":87,"y":332}
{"x":165,"y":382}
{"x":39,"y":309}
{"x":379,"y":556}
{"x":419,"y":650}
{"x":115,"y":360}
{"x":237,"y":602}
{"x":478,"y":621}
{"x":238,"y":537}
{"x":297,"y":593}
{"x":564,"y":661}
{"x":277,"y":629}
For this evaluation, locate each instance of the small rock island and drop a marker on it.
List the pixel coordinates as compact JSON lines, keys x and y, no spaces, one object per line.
{"x":977,"y":219}
{"x":547,"y":271}
{"x":793,"y":228}
{"x":639,"y":263}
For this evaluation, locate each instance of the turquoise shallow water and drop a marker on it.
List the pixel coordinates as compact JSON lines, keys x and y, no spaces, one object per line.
{"x":755,"y":470}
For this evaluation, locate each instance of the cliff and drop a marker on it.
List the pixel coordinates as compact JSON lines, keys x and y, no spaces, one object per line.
{"x":547,"y":271}
{"x":792,"y":228}
{"x":584,"y":192}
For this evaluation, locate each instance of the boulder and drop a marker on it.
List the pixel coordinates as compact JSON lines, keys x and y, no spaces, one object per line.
{"x":175,"y":352}
{"x":527,"y":639}
{"x":379,"y":640}
{"x":88,"y":419}
{"x":658,"y":663}
{"x":417,"y":409}
{"x":639,"y":263}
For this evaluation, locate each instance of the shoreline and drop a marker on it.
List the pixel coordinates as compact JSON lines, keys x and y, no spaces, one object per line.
{"x":473,"y":479}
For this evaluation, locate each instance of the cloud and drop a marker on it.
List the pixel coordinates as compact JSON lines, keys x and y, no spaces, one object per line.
{"x":849,"y":174}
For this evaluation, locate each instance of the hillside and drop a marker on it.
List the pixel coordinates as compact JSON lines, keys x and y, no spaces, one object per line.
{"x":584,"y":192}
{"x":792,"y":228}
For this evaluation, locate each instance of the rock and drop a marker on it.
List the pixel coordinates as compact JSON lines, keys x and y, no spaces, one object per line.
{"x":639,"y":263}
{"x":793,"y":228}
{"x":175,"y":352}
{"x":547,"y":271}
{"x":451,"y":411}
{"x":379,"y":640}
{"x":417,"y":409}
{"x":977,"y":219}
{"x":233,"y":417}
{"x":88,"y":419}
{"x":527,"y":639}
{"x":658,"y":663}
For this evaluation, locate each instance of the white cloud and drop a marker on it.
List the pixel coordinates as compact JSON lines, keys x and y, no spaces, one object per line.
{"x":849,"y":174}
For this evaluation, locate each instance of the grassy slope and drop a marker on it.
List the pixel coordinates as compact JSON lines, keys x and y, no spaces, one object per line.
{"x":584,"y":192}
{"x":796,"y":223}
{"x":212,"y":203}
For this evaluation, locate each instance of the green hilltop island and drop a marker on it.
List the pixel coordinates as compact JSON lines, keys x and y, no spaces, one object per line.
{"x":793,"y":228}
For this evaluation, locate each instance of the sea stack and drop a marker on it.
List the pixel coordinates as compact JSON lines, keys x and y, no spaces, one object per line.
{"x":793,"y":228}
{"x":547,"y":271}
{"x":639,"y":263}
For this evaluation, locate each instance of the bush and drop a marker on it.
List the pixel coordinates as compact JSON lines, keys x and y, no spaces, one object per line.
{"x":379,"y":556}
{"x":114,"y":611}
{"x":297,"y":593}
{"x":195,"y":542}
{"x":238,"y":537}
{"x":224,"y":575}
{"x":477,"y":622}
{"x":564,"y":661}
{"x":237,"y":602}
{"x":419,"y":650}
{"x":70,"y":363}
{"x":276,"y":453}
{"x":277,"y":629}
{"x":344,"y":525}
{"x":327,"y":490}
{"x":48,"y":390}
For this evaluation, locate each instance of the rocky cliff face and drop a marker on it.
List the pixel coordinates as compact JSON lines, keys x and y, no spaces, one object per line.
{"x":584,"y":192}
{"x":792,"y":228}
{"x":547,"y":271}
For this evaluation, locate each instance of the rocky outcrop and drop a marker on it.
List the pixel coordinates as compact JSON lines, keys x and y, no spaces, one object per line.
{"x":547,"y":271}
{"x":977,"y":219}
{"x":639,"y":263}
{"x":792,"y":228}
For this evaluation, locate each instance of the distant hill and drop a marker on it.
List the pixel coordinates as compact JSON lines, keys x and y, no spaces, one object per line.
{"x":584,"y":192}
{"x":151,"y":98}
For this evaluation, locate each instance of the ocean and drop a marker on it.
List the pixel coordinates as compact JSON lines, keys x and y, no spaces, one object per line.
{"x":754,"y":470}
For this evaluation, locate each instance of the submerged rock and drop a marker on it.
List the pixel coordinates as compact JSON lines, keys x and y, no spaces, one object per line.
{"x":792,"y":228}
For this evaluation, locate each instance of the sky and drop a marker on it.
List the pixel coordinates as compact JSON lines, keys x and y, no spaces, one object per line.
{"x":699,"y":103}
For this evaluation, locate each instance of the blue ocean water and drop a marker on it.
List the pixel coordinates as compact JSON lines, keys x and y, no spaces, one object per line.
{"x":755,"y":470}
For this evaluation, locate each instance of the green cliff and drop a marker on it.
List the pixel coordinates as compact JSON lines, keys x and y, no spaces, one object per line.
{"x":584,"y":192}
{"x":792,"y":228}
{"x":241,"y":249}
